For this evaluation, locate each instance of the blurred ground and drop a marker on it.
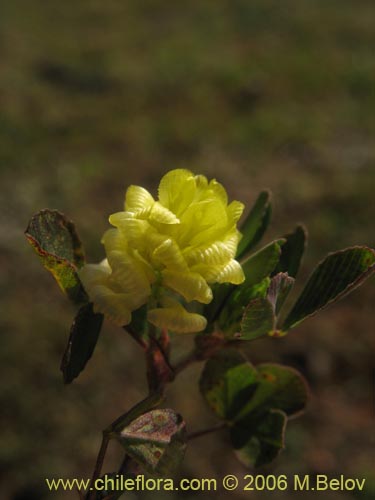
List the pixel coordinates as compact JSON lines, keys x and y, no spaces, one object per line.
{"x":97,"y":95}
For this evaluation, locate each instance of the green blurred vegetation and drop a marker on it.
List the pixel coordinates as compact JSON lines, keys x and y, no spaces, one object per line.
{"x":98,"y":95}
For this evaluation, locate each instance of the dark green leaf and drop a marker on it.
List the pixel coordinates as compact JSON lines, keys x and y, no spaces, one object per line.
{"x":229,"y":300}
{"x":255,"y":224}
{"x":258,"y":320}
{"x":227,"y":382}
{"x":333,"y":278}
{"x":234,"y":389}
{"x":279,"y":387}
{"x":292,"y":252}
{"x":231,"y":315}
{"x":138,"y":323}
{"x":253,"y":401}
{"x":55,"y":240}
{"x":279,"y":289}
{"x":221,"y":292}
{"x":156,"y":440}
{"x":257,"y":443}
{"x":84,"y":334}
{"x":256,"y":268}
{"x":261,"y":264}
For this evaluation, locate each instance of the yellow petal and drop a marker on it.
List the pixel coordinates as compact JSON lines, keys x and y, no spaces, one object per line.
{"x":231,"y":241}
{"x":177,"y":190}
{"x":177,"y":319}
{"x":205,"y":221}
{"x":209,"y":273}
{"x":96,"y":281}
{"x":169,"y":254}
{"x":162,"y":215}
{"x":235,"y":210}
{"x":145,"y":265}
{"x":231,"y":273}
{"x":132,"y":229}
{"x":113,"y":239}
{"x":211,"y":254}
{"x":218,"y":191}
{"x":93,"y":274}
{"x":190,"y":285}
{"x":153,"y":240}
{"x":201,"y":182}
{"x":114,"y":306}
{"x":128,"y":274}
{"x":138,"y":199}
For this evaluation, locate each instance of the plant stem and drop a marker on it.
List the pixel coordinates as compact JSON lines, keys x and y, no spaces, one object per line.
{"x":185,"y":363}
{"x":209,"y":430}
{"x":151,"y":401}
{"x":124,"y":464}
{"x":136,"y":337}
{"x":99,"y":462}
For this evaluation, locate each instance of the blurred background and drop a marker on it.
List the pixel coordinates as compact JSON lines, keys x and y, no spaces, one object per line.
{"x":95,"y":96}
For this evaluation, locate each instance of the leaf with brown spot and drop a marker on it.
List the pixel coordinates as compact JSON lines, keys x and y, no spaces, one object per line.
{"x":56,"y":241}
{"x":156,"y":440}
{"x":279,"y":387}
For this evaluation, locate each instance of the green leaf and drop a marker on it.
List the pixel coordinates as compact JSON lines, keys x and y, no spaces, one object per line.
{"x":257,"y":443}
{"x":231,"y":315}
{"x":255,"y":224}
{"x":229,"y":300}
{"x":55,"y":240}
{"x":261,"y":264}
{"x":279,"y":387}
{"x":156,"y":440}
{"x":234,"y":389}
{"x":254,"y":402}
{"x":84,"y":334}
{"x":227,"y":382}
{"x":337,"y":275}
{"x":257,"y":269}
{"x":279,"y":289}
{"x":260,"y":316}
{"x":292,"y":252}
{"x":258,"y":320}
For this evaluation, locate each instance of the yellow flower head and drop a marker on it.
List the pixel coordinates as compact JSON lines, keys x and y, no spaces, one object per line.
{"x":181,"y":243}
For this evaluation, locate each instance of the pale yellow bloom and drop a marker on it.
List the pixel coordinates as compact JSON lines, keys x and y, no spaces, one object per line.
{"x":181,"y":243}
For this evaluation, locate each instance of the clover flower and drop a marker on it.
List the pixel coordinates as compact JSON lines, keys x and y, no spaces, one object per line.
{"x":162,"y":252}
